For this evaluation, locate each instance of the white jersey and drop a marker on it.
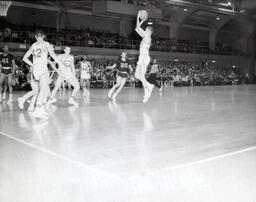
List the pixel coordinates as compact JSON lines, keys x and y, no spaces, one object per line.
{"x":67,"y":61}
{"x":40,"y":52}
{"x":85,"y":67}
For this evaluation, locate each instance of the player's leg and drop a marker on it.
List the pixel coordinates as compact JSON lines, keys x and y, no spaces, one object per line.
{"x":118,"y":83}
{"x":63,"y":84}
{"x":43,"y":85}
{"x":83,"y":85}
{"x":73,"y":82}
{"x":140,"y":75}
{"x":9,"y":83}
{"x":2,"y":78}
{"x":35,"y":89}
{"x":88,"y":83}
{"x":57,"y":86}
{"x":147,"y":86}
{"x":5,"y":85}
{"x":33,"y":92}
{"x":122,"y":82}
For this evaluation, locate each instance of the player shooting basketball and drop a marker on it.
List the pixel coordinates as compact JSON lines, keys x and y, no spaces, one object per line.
{"x":144,"y":58}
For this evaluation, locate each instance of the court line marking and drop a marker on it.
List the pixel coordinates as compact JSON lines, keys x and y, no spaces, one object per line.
{"x":95,"y":170}
{"x":206,"y":160}
{"x":62,"y":157}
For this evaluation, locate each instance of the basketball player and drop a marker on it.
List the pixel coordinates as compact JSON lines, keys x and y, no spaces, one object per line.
{"x":66,"y":73}
{"x":123,"y":67}
{"x":153,"y":74}
{"x":7,"y":62}
{"x":144,"y":58}
{"x":40,"y":50}
{"x":85,"y":75}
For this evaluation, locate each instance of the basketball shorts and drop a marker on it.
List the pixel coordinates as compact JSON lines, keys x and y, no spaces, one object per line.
{"x":143,"y":60}
{"x":123,"y":74}
{"x":39,"y":70}
{"x":85,"y":75}
{"x":6,"y":71}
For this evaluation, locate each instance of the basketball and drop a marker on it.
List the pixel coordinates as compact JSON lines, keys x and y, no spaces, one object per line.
{"x":143,"y":14}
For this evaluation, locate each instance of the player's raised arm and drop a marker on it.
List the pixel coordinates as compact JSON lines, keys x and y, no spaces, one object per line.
{"x":138,"y":28}
{"x":26,"y":56}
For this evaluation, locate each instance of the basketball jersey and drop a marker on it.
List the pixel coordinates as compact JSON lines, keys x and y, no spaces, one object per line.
{"x":85,"y":66}
{"x":122,"y":66}
{"x":67,"y":61}
{"x":144,"y":46}
{"x":40,"y":52}
{"x":6,"y":60}
{"x":154,"y":68}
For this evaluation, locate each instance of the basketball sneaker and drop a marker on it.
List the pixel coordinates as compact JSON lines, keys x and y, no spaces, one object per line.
{"x":21,"y":102}
{"x":72,"y":101}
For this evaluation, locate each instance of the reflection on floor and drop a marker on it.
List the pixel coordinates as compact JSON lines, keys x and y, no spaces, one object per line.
{"x":186,"y":144}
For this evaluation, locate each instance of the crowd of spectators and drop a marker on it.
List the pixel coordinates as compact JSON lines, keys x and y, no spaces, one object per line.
{"x":104,"y":39}
{"x":170,"y":74}
{"x":192,"y":73}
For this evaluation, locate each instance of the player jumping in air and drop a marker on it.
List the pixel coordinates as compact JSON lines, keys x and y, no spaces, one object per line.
{"x":144,"y":58}
{"x":66,"y":72}
{"x":40,"y":50}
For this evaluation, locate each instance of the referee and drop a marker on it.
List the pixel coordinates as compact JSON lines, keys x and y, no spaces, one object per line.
{"x":153,"y":74}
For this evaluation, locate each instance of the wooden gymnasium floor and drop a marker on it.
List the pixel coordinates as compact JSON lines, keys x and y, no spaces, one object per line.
{"x":188,"y":144}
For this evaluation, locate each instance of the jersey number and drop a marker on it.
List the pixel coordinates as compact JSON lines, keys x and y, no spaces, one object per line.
{"x":5,"y":61}
{"x":37,"y":53}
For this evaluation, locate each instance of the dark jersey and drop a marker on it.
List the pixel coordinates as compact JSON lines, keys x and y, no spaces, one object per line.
{"x":6,"y":60}
{"x":122,"y":68}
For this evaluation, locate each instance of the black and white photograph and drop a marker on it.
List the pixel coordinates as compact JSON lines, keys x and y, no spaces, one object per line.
{"x":128,"y":101}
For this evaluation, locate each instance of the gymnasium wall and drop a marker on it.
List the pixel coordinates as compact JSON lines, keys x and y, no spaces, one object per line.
{"x":186,"y":33}
{"x":30,"y":16}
